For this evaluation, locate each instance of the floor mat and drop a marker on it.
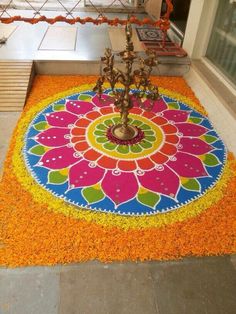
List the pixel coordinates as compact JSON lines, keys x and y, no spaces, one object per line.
{"x":152,"y":38}
{"x":71,"y":193}
{"x":150,"y":34}
{"x":168,"y":49}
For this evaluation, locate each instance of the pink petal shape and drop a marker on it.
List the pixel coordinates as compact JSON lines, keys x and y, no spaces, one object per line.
{"x":187,"y":166}
{"x":176,"y":115}
{"x":159,"y":105}
{"x":194,"y":146}
{"x":61,"y":118}
{"x":191,"y":129}
{"x":136,"y":102}
{"x":58,"y":158}
{"x":79,"y":107}
{"x":53,"y":137}
{"x":115,"y":186}
{"x":164,"y":181}
{"x":105,"y":101}
{"x":81,"y":174}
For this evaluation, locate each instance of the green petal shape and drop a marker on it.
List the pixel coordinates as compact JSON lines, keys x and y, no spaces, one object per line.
{"x":211,"y":160}
{"x":108,"y":122}
{"x":102,"y":139}
{"x":92,"y":195}
{"x":145,"y":144}
{"x":136,"y":122}
{"x":40,"y":126}
{"x":55,"y":177}
{"x":123,"y":149}
{"x":38,"y":150}
{"x":99,"y":133}
{"x":135,"y":148}
{"x":150,"y":138}
{"x":210,"y":138}
{"x":110,"y":146}
{"x":195,"y":120}
{"x":192,"y":185}
{"x":145,"y":127}
{"x":84,"y":97}
{"x":149,"y":132}
{"x":173,"y":105}
{"x":58,"y":107}
{"x":101,"y":127}
{"x":116,"y":120}
{"x":149,"y":199}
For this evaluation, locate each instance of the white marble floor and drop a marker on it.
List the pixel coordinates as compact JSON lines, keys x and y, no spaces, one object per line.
{"x":25,"y":41}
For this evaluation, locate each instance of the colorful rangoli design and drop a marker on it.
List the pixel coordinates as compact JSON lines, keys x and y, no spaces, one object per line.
{"x":63,"y":190}
{"x":175,"y":159}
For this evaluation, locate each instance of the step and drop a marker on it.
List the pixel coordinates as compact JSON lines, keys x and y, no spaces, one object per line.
{"x":168,"y":66}
{"x":15,"y":81}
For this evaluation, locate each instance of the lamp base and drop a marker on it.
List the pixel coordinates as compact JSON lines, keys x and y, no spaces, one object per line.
{"x":124,"y":133}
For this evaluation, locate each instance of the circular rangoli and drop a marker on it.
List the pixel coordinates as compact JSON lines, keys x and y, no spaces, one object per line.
{"x":176,"y":157}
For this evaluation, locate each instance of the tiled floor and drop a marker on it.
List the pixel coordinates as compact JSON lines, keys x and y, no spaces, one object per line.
{"x":189,"y":286}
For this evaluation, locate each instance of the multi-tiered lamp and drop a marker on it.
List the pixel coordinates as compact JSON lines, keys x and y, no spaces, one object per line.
{"x":138,"y":79}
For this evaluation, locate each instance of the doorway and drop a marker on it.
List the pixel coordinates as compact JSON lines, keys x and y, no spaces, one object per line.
{"x":178,"y":19}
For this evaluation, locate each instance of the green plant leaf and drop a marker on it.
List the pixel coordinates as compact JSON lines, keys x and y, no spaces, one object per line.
{"x":192,"y":185}
{"x":148,"y":198}
{"x":211,"y":160}
{"x":40,"y":126}
{"x":56,"y":177}
{"x":92,"y":194}
{"x":38,"y":150}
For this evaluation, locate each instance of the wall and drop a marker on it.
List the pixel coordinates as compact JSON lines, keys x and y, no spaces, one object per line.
{"x":199,"y":25}
{"x":153,"y":8}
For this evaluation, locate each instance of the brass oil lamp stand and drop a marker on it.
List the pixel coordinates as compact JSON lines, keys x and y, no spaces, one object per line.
{"x":139,"y":79}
